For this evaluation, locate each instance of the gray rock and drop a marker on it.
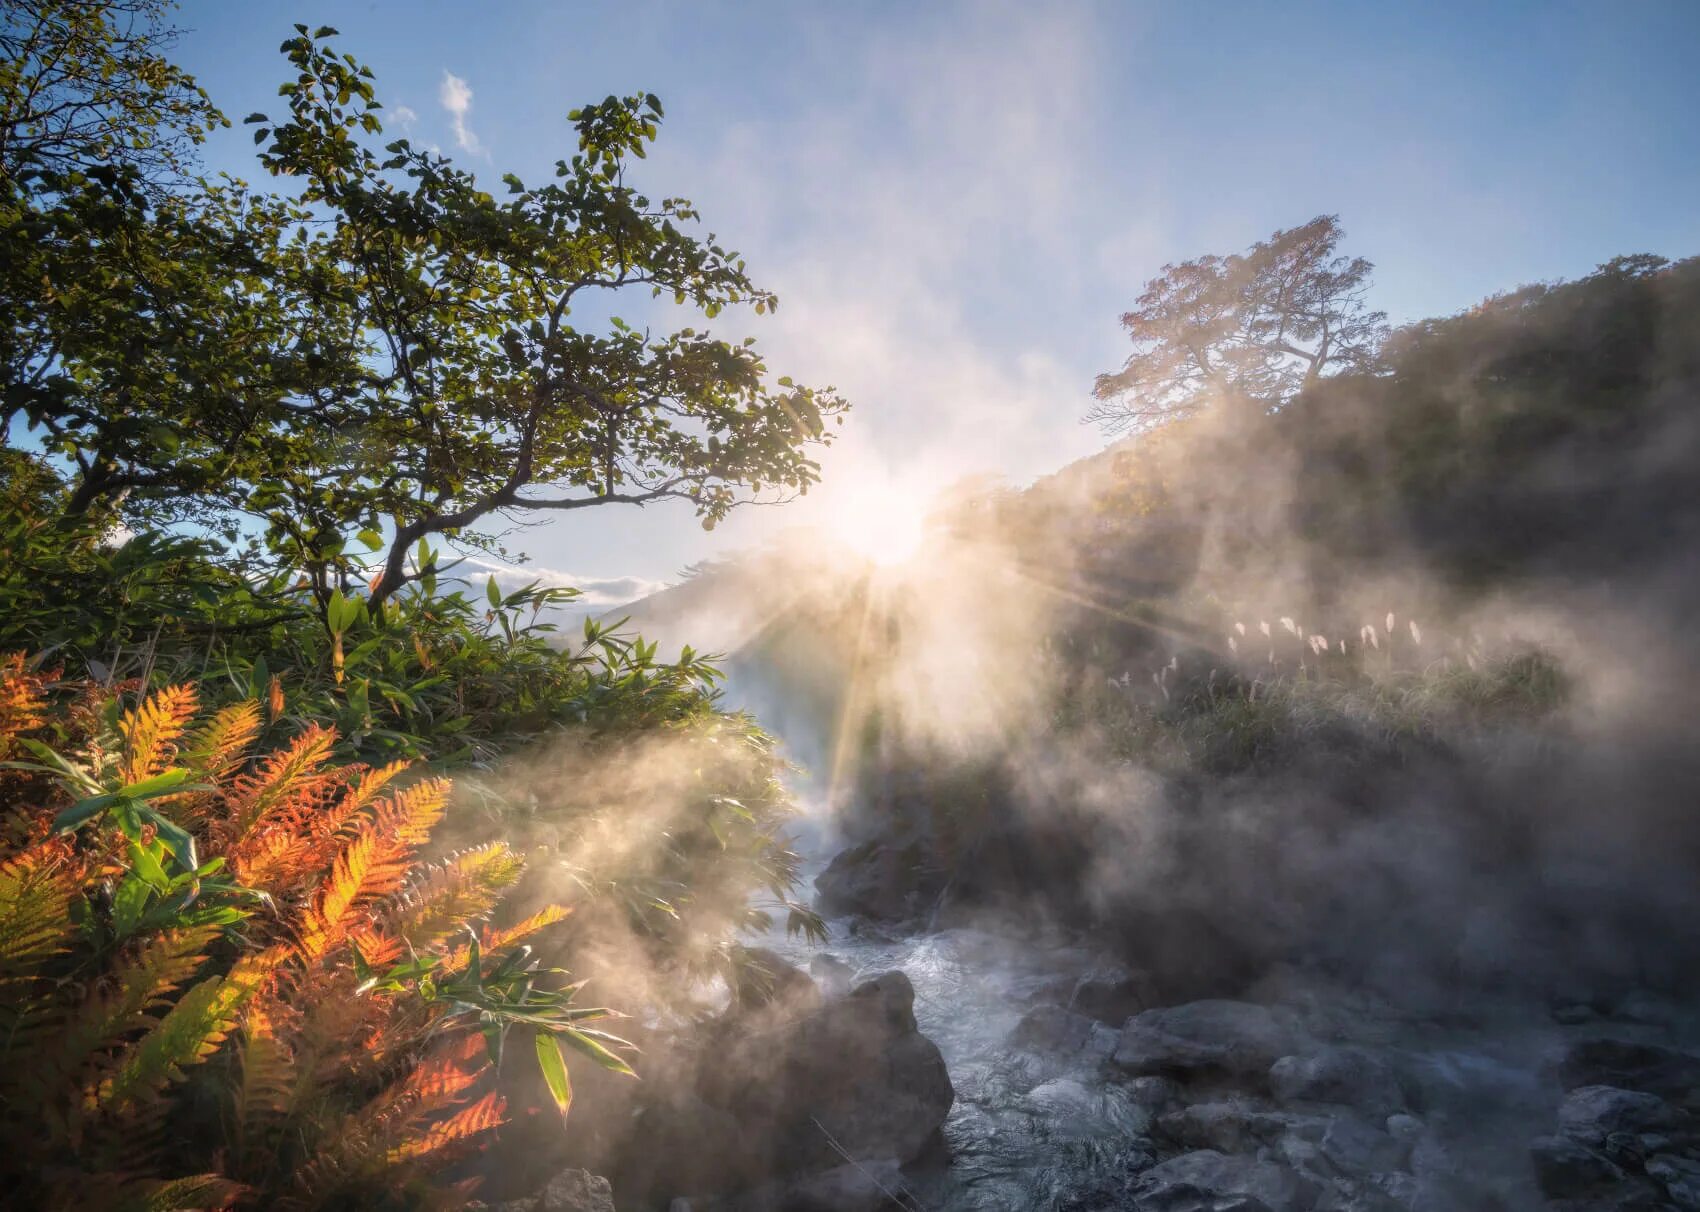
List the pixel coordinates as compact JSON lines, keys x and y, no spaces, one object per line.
{"x":765,"y":979}
{"x":1565,"y":1168}
{"x":1352,"y":1076}
{"x":879,"y":881}
{"x":1590,"y":1114}
{"x":576,"y":1191}
{"x":1208,"y":1181}
{"x":1680,"y":1177}
{"x":833,"y":975}
{"x":1355,"y":1148}
{"x":1230,"y":1127}
{"x":1113,"y":994}
{"x":1052,"y":1029}
{"x":1672,"y":1075}
{"x":1404,"y":1128}
{"x":1225,"y":1036}
{"x":1152,"y":1092}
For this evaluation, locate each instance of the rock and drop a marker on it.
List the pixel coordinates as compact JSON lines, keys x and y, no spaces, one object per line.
{"x":1564,"y":1167}
{"x":571,"y":1191}
{"x":833,"y":975}
{"x":1224,"y":1036}
{"x":1405,"y":1129}
{"x":1590,"y":1114}
{"x":1355,"y":1148}
{"x":1151,"y":1092}
{"x":1352,"y":1076}
{"x":1230,"y":1127}
{"x":1672,"y":1075}
{"x":1113,"y":994}
{"x":1051,"y":1029}
{"x":765,"y":979}
{"x":1680,"y":1177}
{"x":879,"y":880}
{"x":1209,"y":1181}
{"x":859,"y":1072}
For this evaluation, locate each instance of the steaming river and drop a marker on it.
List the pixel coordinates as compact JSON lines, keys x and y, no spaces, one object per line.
{"x":1026,"y":1132}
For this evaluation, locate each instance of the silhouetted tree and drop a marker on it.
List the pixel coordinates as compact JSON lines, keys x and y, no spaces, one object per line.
{"x":1246,"y":331}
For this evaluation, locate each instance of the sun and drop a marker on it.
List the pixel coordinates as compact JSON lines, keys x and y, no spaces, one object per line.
{"x":880,"y":521}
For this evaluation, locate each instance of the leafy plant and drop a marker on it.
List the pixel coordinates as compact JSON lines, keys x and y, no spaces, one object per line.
{"x":231,"y":979}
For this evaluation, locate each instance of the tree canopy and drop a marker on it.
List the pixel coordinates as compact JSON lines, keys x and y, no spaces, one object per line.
{"x":1246,"y":331}
{"x":381,"y":351}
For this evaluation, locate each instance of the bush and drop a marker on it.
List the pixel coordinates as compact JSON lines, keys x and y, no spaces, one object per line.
{"x":230,"y":979}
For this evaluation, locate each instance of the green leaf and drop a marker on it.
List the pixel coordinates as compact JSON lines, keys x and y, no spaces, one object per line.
{"x":601,"y":1055}
{"x":554,"y":1066}
{"x":493,"y":593}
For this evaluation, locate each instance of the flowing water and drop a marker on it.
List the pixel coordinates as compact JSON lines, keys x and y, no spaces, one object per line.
{"x":1026,"y":1132}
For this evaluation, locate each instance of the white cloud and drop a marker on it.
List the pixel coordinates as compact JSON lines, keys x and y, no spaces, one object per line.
{"x":595,"y":592}
{"x":404,"y":116}
{"x":456,"y":97}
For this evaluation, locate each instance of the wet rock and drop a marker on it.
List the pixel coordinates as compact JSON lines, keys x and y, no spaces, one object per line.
{"x":833,"y":975}
{"x":1406,"y":1129}
{"x":764,"y":978}
{"x":1354,"y":1077}
{"x":1209,"y":1181}
{"x":568,"y":1191}
{"x":1225,"y":1036}
{"x":1355,"y":1148}
{"x":1591,"y":1114}
{"x":1152,"y":1092}
{"x":1230,"y":1127}
{"x":1113,"y":994}
{"x":1566,"y":1168}
{"x":1680,"y":1178}
{"x":879,"y":880}
{"x":1052,"y":1029}
{"x":1649,"y":1068}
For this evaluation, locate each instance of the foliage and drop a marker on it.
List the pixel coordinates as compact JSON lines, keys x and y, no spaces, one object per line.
{"x":1247,"y":331}
{"x":230,"y":978}
{"x":86,"y":84}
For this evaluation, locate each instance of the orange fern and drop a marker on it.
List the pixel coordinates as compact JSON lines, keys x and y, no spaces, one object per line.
{"x":151,"y":730}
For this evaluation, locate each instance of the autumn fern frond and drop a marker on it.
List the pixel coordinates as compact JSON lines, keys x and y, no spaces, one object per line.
{"x":36,"y":888}
{"x":460,"y":889}
{"x":462,"y":1126}
{"x":324,"y":923}
{"x":218,"y":746}
{"x":151,"y":730}
{"x":287,"y":779}
{"x":23,"y":701}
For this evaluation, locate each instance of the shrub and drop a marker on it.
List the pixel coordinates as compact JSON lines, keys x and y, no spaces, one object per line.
{"x":231,"y":979}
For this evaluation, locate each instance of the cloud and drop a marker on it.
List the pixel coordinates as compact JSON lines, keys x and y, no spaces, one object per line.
{"x":596,"y":592}
{"x":404,"y":116}
{"x":456,"y":97}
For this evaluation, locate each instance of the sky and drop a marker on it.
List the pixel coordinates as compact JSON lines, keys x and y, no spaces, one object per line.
{"x":955,"y":202}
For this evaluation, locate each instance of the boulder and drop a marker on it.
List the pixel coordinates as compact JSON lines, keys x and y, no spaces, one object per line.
{"x":1214,"y":1035}
{"x":1591,"y":1114}
{"x":1208,"y":1181}
{"x":1464,"y":1083}
{"x":1051,"y":1029}
{"x":1229,"y":1127}
{"x":764,"y":978}
{"x":833,"y":975}
{"x":879,"y":880}
{"x":568,"y":1191}
{"x":1566,"y":1168}
{"x":1649,"y":1068}
{"x":858,"y":1076}
{"x":1354,"y":1148}
{"x":1679,"y":1176}
{"x":1354,"y":1077}
{"x":1113,"y":994}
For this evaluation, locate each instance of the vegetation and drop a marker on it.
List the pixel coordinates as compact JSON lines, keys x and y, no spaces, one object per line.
{"x":242,"y":430}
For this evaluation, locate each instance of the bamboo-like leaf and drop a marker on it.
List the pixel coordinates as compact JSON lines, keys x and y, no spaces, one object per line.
{"x":554,"y":1066}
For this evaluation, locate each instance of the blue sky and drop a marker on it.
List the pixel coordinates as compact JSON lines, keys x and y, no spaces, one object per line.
{"x":955,"y":201}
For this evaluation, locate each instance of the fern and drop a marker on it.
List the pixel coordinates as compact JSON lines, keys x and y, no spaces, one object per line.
{"x":151,"y":730}
{"x":36,"y":888}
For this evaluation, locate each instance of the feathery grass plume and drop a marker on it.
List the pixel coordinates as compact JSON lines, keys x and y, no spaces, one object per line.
{"x":1291,"y":626}
{"x":1390,"y":624}
{"x":1233,"y":645}
{"x":1240,"y":627}
{"x":1416,"y":632}
{"x":1263,"y":626}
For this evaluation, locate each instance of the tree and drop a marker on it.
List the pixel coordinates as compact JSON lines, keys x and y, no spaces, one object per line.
{"x":86,"y":83}
{"x":1247,"y":331}
{"x":460,"y":386}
